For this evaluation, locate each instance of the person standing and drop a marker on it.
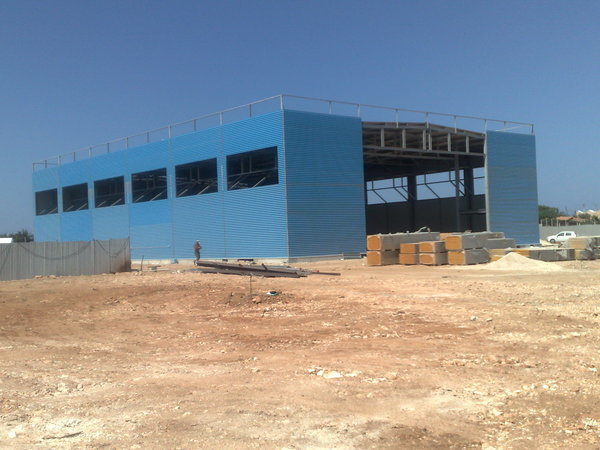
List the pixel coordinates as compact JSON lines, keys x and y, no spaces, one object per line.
{"x":197,"y":248}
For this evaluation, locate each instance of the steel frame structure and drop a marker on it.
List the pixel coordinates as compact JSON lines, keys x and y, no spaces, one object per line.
{"x":281,"y":101}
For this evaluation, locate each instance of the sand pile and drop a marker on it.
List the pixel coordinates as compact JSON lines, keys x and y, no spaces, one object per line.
{"x":514,"y":261}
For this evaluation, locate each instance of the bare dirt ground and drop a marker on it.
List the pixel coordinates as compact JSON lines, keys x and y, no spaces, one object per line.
{"x":380,"y":357}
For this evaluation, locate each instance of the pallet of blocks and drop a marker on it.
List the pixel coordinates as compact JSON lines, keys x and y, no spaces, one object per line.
{"x":433,"y":253}
{"x":384,"y":249}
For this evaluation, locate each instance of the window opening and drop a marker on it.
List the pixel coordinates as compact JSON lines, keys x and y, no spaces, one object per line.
{"x":109,"y":192}
{"x":252,"y":169}
{"x":196,"y":178}
{"x":75,"y":198}
{"x":149,"y":186}
{"x":46,"y":202}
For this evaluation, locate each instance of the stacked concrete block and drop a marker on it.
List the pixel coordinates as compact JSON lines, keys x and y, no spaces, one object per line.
{"x":499,"y":243}
{"x":433,"y":259}
{"x":586,"y":247}
{"x":471,"y":248}
{"x":432,"y":247}
{"x":467,"y":241}
{"x":411,"y":248}
{"x":409,"y":253}
{"x":583,"y":242}
{"x":383,"y":258}
{"x":382,"y":242}
{"x":384,"y":249}
{"x":468,"y":257}
{"x":582,"y":254}
{"x":433,"y":253}
{"x":548,"y":254}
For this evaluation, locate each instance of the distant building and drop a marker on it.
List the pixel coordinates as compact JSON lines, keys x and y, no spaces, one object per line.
{"x":589,"y":212}
{"x":6,"y":240}
{"x":288,"y":182}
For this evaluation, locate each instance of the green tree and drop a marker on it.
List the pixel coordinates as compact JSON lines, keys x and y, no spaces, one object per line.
{"x":548,"y":212}
{"x":20,"y":236}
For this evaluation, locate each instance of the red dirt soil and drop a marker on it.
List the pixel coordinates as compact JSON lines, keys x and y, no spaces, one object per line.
{"x":380,"y":357}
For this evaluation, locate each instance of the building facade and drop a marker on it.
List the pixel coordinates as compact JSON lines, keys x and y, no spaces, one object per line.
{"x":284,"y":184}
{"x":253,"y":188}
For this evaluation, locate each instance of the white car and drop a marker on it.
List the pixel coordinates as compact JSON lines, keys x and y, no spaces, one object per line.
{"x":563,"y":236}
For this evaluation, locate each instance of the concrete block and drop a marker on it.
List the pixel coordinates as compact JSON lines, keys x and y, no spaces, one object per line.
{"x":375,"y":258}
{"x":499,"y":251}
{"x":583,"y":254}
{"x":409,"y":248}
{"x":582,"y":242}
{"x":432,"y":247}
{"x":433,"y":259}
{"x":552,"y":254}
{"x":470,"y":240}
{"x":467,"y":257}
{"x":496,"y":243}
{"x":409,"y":258}
{"x":382,"y":242}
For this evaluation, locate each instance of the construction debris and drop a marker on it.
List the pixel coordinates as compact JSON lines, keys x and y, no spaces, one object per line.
{"x":260,"y":270}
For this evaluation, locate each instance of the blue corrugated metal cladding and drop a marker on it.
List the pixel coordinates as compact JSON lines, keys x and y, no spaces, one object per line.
{"x":512,"y":200}
{"x":325,"y":184}
{"x":315,"y":208}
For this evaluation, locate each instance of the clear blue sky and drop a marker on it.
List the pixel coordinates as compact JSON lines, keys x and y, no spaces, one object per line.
{"x":77,"y":73}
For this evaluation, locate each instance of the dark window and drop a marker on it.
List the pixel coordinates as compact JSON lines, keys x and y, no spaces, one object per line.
{"x":252,"y":169}
{"x":196,"y":178}
{"x":109,"y":192}
{"x":46,"y":202}
{"x":75,"y":198}
{"x":149,"y":186}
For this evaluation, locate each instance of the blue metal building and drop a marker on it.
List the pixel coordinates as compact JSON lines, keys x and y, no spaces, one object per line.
{"x":287,"y":181}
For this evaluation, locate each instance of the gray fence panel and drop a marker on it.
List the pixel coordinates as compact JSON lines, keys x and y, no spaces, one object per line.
{"x":26,"y":260}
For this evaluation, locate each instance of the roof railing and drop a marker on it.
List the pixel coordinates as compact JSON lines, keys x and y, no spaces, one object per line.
{"x":286,"y":101}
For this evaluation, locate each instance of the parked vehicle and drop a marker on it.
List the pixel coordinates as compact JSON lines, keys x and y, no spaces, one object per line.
{"x":563,"y":236}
